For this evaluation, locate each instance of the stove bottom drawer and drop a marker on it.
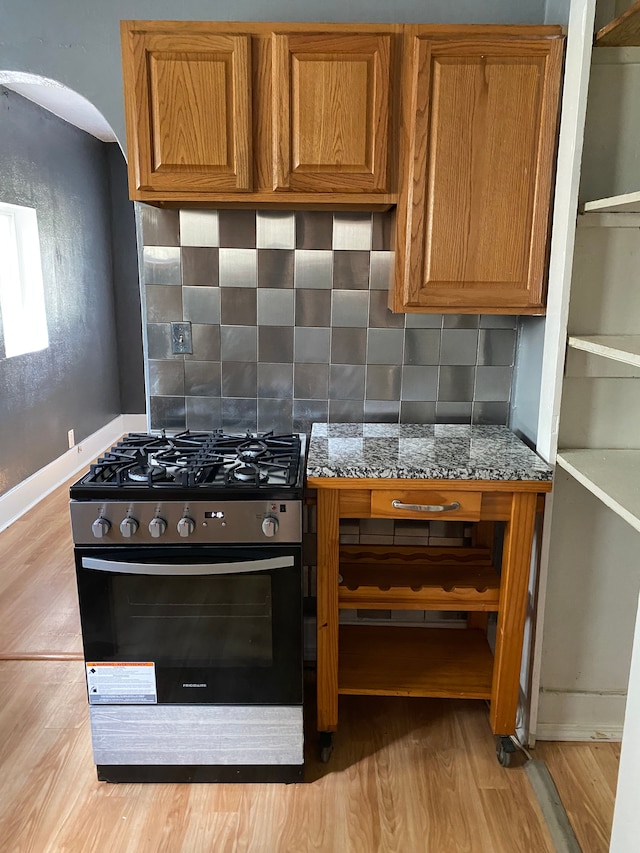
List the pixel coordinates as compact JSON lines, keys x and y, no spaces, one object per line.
{"x":197,"y":735}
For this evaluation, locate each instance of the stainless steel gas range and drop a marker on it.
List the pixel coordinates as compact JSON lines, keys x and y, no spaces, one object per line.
{"x":189,"y":569}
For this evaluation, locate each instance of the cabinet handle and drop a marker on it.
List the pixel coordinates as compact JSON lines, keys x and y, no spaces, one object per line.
{"x":426,"y":507}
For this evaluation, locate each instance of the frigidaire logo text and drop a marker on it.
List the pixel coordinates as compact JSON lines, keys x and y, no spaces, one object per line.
{"x":194,"y":685}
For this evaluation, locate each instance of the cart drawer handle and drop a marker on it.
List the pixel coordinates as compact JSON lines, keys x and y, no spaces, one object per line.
{"x":426,"y":507}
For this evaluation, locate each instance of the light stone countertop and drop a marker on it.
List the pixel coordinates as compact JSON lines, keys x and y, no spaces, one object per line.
{"x":422,"y":452}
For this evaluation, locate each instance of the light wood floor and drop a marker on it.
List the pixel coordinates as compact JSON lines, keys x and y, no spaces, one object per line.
{"x":407,"y":775}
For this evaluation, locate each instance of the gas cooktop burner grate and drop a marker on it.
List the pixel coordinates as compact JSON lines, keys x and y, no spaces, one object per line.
{"x":198,"y":459}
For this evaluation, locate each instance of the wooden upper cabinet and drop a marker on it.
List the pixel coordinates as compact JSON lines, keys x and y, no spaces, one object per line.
{"x":479,"y":128}
{"x":222,"y":112}
{"x":331,"y":112}
{"x":188,"y":104}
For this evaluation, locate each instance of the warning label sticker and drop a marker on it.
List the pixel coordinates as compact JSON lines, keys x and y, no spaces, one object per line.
{"x":121,"y":683}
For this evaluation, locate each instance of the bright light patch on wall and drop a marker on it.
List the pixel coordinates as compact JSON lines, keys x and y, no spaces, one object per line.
{"x":24,"y":320}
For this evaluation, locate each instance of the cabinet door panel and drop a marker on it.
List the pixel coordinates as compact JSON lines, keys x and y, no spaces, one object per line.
{"x":331,"y":112}
{"x":192,"y":106}
{"x":477,"y":185}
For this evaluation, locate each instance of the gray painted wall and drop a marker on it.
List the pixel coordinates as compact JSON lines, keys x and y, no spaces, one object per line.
{"x":77,"y":42}
{"x":73,"y":384}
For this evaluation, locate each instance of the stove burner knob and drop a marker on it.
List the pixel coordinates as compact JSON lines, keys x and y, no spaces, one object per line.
{"x":100,"y":527}
{"x":270,"y":526}
{"x":157,"y":526}
{"x":128,"y":527}
{"x":186,"y":526}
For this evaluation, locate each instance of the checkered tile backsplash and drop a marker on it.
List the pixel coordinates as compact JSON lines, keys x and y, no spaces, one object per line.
{"x":290,"y":325}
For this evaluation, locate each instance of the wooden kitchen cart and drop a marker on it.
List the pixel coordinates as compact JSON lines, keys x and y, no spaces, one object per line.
{"x":423,"y":661}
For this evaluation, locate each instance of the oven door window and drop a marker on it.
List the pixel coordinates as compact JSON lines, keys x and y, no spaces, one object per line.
{"x":209,"y":622}
{"x":223,"y":638}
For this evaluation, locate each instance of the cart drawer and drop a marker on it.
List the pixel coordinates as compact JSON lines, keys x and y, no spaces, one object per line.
{"x":428,"y":503}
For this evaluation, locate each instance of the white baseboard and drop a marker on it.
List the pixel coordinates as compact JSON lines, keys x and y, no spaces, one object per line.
{"x":27,"y":494}
{"x":580,"y":716}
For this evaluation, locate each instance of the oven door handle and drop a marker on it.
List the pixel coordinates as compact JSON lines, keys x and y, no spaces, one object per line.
{"x":165,"y":569}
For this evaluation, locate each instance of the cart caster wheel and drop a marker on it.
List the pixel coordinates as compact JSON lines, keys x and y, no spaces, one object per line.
{"x":326,"y":746}
{"x":504,"y":749}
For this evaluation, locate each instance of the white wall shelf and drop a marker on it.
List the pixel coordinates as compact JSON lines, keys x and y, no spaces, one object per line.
{"x":625,"y":203}
{"x":625,"y":348}
{"x":613,"y":476}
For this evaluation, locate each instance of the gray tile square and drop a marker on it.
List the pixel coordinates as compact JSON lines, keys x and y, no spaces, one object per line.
{"x":238,"y":306}
{"x":314,"y":230}
{"x":237,"y":229}
{"x":166,"y":378}
{"x":346,"y":412}
{"x":164,"y":303}
{"x":239,"y":379}
{"x":424,"y":321}
{"x":346,"y":382}
{"x":491,"y":413}
{"x":202,"y":378}
{"x":275,"y":381}
{"x":381,"y":271}
{"x":167,"y":413}
{"x":379,"y":315}
{"x":238,"y":343}
{"x":352,"y":231}
{"x":161,"y":265}
{"x":460,"y":321}
{"x":493,"y":383}
{"x":308,"y":412}
{"x":312,"y":345}
{"x":158,"y":227}
{"x":313,"y":308}
{"x":496,"y":347}
{"x":204,"y":413}
{"x":239,"y":415}
{"x":417,"y":413}
{"x":384,"y":381}
{"x":275,"y":344}
{"x":349,"y":308}
{"x":382,"y":230}
{"x":275,"y":229}
{"x":419,"y":383}
{"x":275,"y":307}
{"x":498,"y":321}
{"x":276,"y":415}
{"x":456,"y":384}
{"x":422,"y":346}
{"x":385,"y":346}
{"x":348,"y":346}
{"x":313,"y":269}
{"x":201,"y":304}
{"x":311,"y":381}
{"x":238,"y":268}
{"x":351,"y":270}
{"x":453,"y":413}
{"x":206,"y":343}
{"x":381,"y":411}
{"x":159,"y":341}
{"x":459,"y":346}
{"x":275,"y":267}
{"x":199,"y":266}
{"x":199,"y":228}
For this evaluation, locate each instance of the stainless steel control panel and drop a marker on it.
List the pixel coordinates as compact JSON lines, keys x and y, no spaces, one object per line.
{"x":185,"y":522}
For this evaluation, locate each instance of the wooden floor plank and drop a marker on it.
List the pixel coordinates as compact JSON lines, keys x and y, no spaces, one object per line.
{"x":407,"y":775}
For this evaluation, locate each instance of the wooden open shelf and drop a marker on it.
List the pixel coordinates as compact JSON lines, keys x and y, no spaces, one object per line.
{"x":625,"y":203}
{"x":623,"y":31}
{"x":396,"y":661}
{"x":417,"y":578}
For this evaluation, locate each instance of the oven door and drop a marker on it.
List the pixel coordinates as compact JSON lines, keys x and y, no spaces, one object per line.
{"x":175,"y":624}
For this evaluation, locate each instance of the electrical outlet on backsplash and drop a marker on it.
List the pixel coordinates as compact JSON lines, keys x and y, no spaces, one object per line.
{"x":290,"y":325}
